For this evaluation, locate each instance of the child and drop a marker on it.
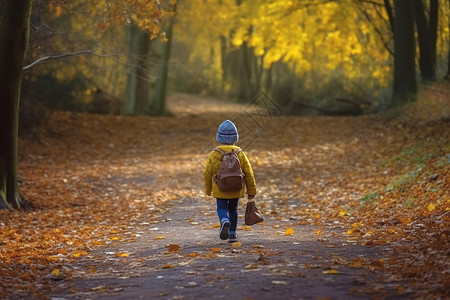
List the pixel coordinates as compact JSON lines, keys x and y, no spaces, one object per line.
{"x":227,"y":201}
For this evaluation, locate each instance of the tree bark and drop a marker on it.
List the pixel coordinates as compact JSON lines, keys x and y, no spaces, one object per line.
{"x":14,"y":35}
{"x":142,"y":82}
{"x":405,"y":85}
{"x":130,"y":88}
{"x":448,"y":61}
{"x":433,"y":27}
{"x":158,"y":106}
{"x":427,"y":70}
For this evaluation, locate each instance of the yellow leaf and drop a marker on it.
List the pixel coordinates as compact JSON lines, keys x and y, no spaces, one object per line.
{"x":318,"y":232}
{"x":98,"y":243}
{"x":342,"y":213}
{"x":159,"y":238}
{"x":121,"y":254}
{"x":215,"y":250}
{"x":193,"y":254}
{"x":289,"y":231}
{"x":79,"y":253}
{"x":351,"y":231}
{"x":53,"y":258}
{"x":236,"y":244}
{"x":330,"y":272}
{"x":356,"y":225}
{"x":114,"y":238}
{"x":431,"y":207}
{"x":55,"y":272}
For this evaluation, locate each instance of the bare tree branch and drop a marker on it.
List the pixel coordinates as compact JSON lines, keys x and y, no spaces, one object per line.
{"x":65,"y":55}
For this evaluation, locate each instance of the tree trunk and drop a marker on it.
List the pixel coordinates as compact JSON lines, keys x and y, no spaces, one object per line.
{"x":425,"y":59}
{"x":130,"y":89}
{"x":405,"y":85}
{"x":14,"y":35}
{"x":433,"y":27}
{"x":142,"y":82}
{"x":448,"y":61}
{"x":159,"y":96}
{"x":245,"y":88}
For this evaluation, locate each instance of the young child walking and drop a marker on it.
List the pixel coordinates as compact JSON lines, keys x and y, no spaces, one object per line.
{"x":228,"y":200}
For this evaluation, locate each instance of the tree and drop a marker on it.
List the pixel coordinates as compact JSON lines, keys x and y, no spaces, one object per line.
{"x":14,"y":35}
{"x":405,"y":85}
{"x":130,"y":89}
{"x":427,"y":39}
{"x":448,"y":61}
{"x":158,"y":106}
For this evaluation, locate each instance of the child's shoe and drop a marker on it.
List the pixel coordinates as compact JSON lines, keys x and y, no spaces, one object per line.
{"x":224,"y":230}
{"x":232,"y":238}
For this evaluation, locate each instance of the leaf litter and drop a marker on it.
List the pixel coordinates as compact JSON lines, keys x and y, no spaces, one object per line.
{"x":101,"y":181}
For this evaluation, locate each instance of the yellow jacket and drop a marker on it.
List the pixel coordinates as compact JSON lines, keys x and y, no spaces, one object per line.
{"x":212,"y":167}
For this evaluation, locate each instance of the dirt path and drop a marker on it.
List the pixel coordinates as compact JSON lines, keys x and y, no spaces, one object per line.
{"x":121,"y":214}
{"x":183,"y":258}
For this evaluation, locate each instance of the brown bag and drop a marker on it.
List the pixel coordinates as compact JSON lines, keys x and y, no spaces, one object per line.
{"x":230,"y":176}
{"x":252,"y":214}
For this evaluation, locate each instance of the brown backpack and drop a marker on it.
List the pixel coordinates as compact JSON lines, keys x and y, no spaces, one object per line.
{"x":230,"y":176}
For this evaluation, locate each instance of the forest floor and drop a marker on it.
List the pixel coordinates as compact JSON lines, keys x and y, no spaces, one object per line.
{"x":354,"y":207}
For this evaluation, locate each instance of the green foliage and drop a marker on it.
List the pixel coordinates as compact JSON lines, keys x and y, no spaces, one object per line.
{"x":370,"y":197}
{"x":402,"y":180}
{"x":410,"y":202}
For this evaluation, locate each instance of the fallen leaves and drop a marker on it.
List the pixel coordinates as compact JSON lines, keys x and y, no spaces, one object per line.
{"x":331,"y":272}
{"x":384,"y":181}
{"x":289,"y":231}
{"x":172,"y":248}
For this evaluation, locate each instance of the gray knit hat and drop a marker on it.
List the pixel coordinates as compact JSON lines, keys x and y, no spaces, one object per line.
{"x":227,"y":133}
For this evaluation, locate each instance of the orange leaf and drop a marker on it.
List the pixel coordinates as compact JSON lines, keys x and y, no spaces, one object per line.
{"x":289,"y":231}
{"x":168,"y":266}
{"x":330,"y":272}
{"x":173,"y":248}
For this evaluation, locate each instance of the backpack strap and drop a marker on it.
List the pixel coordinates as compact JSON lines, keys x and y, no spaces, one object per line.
{"x":219,"y":150}
{"x":223,"y":152}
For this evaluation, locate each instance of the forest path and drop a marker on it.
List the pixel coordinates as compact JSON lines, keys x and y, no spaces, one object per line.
{"x":348,"y":212}
{"x":183,"y":258}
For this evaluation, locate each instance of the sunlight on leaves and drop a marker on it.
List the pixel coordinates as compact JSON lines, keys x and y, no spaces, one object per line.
{"x":289,"y":231}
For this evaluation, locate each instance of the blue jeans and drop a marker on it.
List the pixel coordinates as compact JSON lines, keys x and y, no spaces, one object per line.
{"x":227,"y":210}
